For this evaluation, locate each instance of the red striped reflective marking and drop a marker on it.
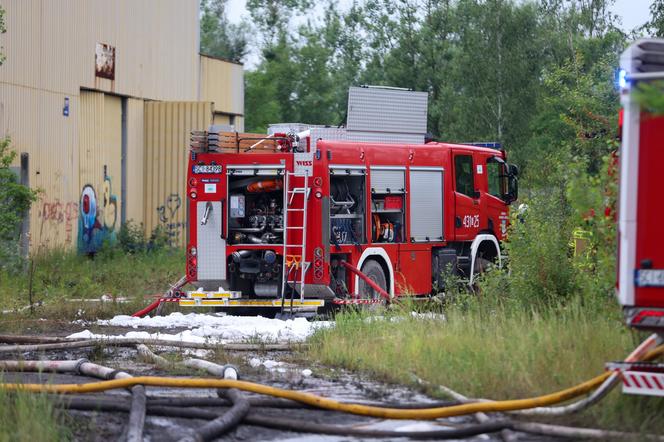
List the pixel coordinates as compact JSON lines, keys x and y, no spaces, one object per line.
{"x":644,"y":378}
{"x":656,"y":381}
{"x":635,"y":380}
{"x":626,"y":380}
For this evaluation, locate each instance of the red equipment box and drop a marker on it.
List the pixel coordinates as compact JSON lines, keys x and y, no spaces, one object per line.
{"x":393,"y":203}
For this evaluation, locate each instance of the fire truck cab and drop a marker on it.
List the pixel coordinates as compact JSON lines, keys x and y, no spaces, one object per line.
{"x":308,"y":216}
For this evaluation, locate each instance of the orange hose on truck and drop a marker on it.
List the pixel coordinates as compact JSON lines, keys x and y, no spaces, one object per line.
{"x":265,"y":186}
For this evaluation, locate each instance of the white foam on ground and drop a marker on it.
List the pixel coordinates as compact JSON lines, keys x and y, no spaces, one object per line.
{"x":212,"y":328}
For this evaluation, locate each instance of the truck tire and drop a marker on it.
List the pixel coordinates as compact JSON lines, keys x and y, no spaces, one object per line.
{"x":375,"y":272}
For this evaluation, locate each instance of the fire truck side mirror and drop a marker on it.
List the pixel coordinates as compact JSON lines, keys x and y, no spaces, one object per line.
{"x":512,"y":184}
{"x":513,"y":170}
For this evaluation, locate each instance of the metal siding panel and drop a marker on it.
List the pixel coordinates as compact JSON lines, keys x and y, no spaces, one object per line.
{"x":222,"y":83}
{"x":135,"y":161}
{"x":211,"y":248}
{"x":384,"y":181}
{"x":167,"y":130}
{"x":387,"y":110}
{"x":384,"y":137}
{"x":33,"y":120}
{"x":50,"y":45}
{"x":426,"y":205}
{"x":100,"y":152}
{"x":22,"y":42}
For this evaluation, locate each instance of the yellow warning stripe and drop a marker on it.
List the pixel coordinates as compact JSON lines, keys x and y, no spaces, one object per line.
{"x":248,"y":303}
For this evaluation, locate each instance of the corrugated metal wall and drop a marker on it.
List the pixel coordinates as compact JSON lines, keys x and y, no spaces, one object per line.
{"x":222,"y":82}
{"x":135,"y":161}
{"x":100,"y":172}
{"x":167,"y":130}
{"x":50,"y":48}
{"x":51,"y":45}
{"x":34,"y":121}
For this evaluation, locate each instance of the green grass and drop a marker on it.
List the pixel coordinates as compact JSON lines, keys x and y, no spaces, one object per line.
{"x":60,"y":275}
{"x":26,"y":417}
{"x":497,"y":353}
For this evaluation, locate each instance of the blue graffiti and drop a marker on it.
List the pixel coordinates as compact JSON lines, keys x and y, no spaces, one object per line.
{"x":96,"y":224}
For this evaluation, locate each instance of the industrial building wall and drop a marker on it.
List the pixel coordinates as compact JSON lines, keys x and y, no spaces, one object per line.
{"x":51,"y":45}
{"x":34,"y":121}
{"x":100,"y":170}
{"x":135,"y":162}
{"x":222,"y":82}
{"x":168,"y":127}
{"x":70,"y":120}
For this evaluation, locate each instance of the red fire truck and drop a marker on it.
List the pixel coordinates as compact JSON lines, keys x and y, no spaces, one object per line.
{"x":310,"y":216}
{"x":641,"y":244}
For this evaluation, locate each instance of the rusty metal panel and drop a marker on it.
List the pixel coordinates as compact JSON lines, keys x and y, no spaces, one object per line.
{"x":167,"y":129}
{"x":135,"y":161}
{"x":222,"y":82}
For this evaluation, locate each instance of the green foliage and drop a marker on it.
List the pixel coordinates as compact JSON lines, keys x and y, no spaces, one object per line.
{"x":27,"y":417}
{"x":3,"y":29}
{"x":220,"y":37}
{"x":655,"y":25}
{"x":492,"y":350}
{"x":131,"y":239}
{"x":63,"y":274}
{"x":651,"y":97}
{"x":15,"y":200}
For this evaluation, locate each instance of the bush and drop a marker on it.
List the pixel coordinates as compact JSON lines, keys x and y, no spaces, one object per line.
{"x":131,"y":238}
{"x":15,"y":200}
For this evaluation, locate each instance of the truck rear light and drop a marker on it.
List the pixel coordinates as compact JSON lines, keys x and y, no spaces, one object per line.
{"x":192,"y":194}
{"x":648,"y":318}
{"x":318,"y":274}
{"x":193,"y":182}
{"x":193,"y":251}
{"x":318,"y":252}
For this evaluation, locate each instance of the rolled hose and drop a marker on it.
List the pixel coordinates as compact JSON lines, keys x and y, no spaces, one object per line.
{"x":329,"y":404}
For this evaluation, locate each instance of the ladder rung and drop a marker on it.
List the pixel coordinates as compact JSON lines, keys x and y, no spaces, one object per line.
{"x":294,"y":210}
{"x":298,"y":190}
{"x":293,"y":245}
{"x":295,"y":227}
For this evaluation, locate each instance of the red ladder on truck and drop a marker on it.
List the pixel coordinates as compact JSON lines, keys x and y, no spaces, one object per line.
{"x":294,"y":268}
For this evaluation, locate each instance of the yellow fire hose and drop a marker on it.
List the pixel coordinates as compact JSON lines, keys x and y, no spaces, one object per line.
{"x":329,"y":404}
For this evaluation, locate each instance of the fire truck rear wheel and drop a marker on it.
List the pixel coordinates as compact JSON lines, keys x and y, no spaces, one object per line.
{"x":375,"y":272}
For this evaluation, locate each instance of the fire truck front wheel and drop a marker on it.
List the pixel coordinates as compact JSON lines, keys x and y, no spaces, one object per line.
{"x":375,"y":272}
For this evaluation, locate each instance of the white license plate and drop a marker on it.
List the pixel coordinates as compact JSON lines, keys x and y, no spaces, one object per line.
{"x":207,"y":168}
{"x":649,"y":278}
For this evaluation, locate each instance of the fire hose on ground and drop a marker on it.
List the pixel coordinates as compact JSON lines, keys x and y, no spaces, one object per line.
{"x":240,"y":407}
{"x":329,"y":404}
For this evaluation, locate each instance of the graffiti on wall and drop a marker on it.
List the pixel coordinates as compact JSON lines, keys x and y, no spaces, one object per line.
{"x":58,"y":213}
{"x":97,"y":217}
{"x":167,"y":217}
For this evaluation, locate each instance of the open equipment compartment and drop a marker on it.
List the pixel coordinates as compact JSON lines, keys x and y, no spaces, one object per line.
{"x":347,"y":205}
{"x":255,"y":206}
{"x":387,"y":204}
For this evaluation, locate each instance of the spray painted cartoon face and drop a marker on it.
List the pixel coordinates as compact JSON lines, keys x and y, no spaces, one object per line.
{"x":88,"y":207}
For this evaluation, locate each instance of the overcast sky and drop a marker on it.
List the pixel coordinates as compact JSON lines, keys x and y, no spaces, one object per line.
{"x":632,"y":13}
